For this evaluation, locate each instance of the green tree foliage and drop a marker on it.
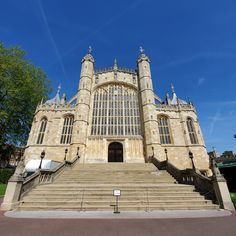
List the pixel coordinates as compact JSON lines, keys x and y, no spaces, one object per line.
{"x":228,"y":154}
{"x":22,"y":86}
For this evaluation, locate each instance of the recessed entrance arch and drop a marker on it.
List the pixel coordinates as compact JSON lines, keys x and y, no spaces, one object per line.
{"x":115,"y":152}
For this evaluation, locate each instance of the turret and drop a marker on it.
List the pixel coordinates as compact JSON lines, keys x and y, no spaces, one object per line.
{"x":83,"y":103}
{"x":150,"y":127}
{"x":167,"y":99}
{"x":63,"y":99}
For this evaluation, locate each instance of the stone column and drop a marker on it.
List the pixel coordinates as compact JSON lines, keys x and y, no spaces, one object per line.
{"x":221,"y":188}
{"x":12,"y":195}
{"x":147,"y":105}
{"x":81,"y":121}
{"x":14,"y":186}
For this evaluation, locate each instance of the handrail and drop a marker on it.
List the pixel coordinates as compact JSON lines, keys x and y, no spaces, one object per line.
{"x":188,"y":176}
{"x":45,"y":176}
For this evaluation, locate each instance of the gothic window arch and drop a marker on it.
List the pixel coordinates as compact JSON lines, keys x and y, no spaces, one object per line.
{"x":67,"y":129}
{"x":191,"y":131}
{"x":164,"y":130}
{"x":115,"y":111}
{"x":42,"y":129}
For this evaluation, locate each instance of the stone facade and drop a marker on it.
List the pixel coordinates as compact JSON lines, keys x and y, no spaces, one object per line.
{"x":117,"y":105}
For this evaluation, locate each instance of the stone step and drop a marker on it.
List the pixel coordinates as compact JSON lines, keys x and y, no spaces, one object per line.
{"x":111,"y":185}
{"x":110,"y":197}
{"x":116,"y":166}
{"x":109,"y":193}
{"x":109,"y":190}
{"x":114,"y":182}
{"x":89,"y":187}
{"x":114,"y":175}
{"x":122,"y":208}
{"x":121,"y":202}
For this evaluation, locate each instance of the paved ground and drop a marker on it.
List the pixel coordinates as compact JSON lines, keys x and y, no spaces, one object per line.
{"x":225,"y":226}
{"x":121,"y":215}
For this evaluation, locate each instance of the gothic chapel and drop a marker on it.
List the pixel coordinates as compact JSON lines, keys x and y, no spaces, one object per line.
{"x":115,"y":116}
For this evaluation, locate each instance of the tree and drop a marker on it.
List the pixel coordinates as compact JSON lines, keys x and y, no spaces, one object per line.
{"x":228,"y":154}
{"x":22,"y":86}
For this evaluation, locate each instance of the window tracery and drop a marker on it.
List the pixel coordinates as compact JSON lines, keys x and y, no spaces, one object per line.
{"x":191,"y":131}
{"x":43,"y":125}
{"x":115,"y":111}
{"x":67,"y":130}
{"x":164,"y":130}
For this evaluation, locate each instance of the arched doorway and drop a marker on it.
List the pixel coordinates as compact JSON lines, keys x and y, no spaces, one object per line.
{"x":115,"y":152}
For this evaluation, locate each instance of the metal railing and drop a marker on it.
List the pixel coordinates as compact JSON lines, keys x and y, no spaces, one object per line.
{"x":45,"y":176}
{"x":202,"y":183}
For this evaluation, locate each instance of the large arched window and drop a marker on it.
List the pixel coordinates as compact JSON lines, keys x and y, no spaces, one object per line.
{"x":115,"y":111}
{"x":43,"y":125}
{"x":191,"y":131}
{"x":67,"y":130}
{"x":164,"y":130}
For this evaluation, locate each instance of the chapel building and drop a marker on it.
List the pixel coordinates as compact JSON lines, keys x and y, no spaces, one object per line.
{"x":115,"y":116}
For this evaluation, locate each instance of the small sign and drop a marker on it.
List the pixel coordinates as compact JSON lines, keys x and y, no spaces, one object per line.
{"x":116,"y":192}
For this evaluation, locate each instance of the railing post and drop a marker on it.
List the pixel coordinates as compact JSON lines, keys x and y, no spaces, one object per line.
{"x":191,"y":157}
{"x":66,"y":150}
{"x":166,"y":155}
{"x":14,"y":186}
{"x":220,"y":187}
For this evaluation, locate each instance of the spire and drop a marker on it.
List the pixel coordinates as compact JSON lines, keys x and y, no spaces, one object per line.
{"x":88,"y":56}
{"x":141,"y":50}
{"x":58,"y":89}
{"x":115,"y":66}
{"x":175,"y":100}
{"x":90,"y":50}
{"x":142,"y":55}
{"x":172,"y":88}
{"x":168,"y":99}
{"x":63,"y":99}
{"x":56,"y":99}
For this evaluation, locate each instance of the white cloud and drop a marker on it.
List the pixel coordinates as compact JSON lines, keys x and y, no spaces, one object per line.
{"x":197,"y":56}
{"x":215,"y":118}
{"x":201,"y":80}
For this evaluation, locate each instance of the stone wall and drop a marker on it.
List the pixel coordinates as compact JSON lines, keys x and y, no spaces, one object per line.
{"x":97,"y":149}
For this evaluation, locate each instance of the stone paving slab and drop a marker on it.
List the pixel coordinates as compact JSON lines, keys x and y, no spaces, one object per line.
{"x":122,"y":215}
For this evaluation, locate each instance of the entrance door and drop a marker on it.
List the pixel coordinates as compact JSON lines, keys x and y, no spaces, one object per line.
{"x":115,"y":152}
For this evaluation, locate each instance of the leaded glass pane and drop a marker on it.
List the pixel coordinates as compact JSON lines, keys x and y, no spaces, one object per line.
{"x":164,"y":131}
{"x":67,"y":130}
{"x":191,"y":131}
{"x":116,"y":109}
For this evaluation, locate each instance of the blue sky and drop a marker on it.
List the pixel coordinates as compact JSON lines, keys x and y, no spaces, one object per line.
{"x":190,"y":43}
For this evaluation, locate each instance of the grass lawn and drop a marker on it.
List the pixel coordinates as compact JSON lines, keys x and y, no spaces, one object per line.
{"x":233,"y":197}
{"x":2,"y":189}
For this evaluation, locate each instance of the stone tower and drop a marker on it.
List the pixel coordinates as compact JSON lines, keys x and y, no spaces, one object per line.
{"x":83,"y":104}
{"x":147,"y":104}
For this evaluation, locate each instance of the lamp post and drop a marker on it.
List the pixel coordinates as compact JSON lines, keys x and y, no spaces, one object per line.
{"x":41,"y":156}
{"x":77,"y":154}
{"x":66,"y":150}
{"x":152,"y":151}
{"x":191,"y":157}
{"x":150,"y":158}
{"x":166,"y":154}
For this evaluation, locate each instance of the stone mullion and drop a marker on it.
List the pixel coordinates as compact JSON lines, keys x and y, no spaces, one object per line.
{"x":96,"y":117}
{"x":123,"y":105}
{"x":99,"y":112}
{"x":133,"y":107}
{"x":130,"y":112}
{"x":113,"y":111}
{"x":101,"y":107}
{"x":108,"y":102}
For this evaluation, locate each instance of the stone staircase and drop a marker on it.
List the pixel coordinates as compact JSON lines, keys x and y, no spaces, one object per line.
{"x":89,"y":187}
